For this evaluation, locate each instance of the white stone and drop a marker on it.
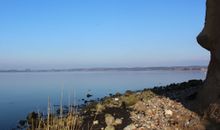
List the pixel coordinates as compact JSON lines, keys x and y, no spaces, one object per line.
{"x":130,"y":127}
{"x":116,"y":99}
{"x":118,"y":121}
{"x":168,"y":112}
{"x":96,"y":122}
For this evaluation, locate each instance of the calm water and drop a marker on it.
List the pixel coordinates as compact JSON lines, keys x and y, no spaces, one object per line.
{"x":21,"y":93}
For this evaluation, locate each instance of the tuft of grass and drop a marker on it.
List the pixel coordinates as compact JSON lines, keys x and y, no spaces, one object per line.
{"x":129,"y":100}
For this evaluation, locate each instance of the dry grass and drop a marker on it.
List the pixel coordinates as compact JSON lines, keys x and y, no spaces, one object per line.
{"x":69,"y":121}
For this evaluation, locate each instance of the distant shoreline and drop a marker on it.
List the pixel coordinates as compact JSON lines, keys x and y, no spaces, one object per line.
{"x":173,"y":68}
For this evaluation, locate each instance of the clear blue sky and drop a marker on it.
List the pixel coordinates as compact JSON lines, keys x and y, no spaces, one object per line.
{"x":100,"y":33}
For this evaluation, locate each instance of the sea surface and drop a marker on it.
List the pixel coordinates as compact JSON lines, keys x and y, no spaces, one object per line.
{"x":21,"y":93}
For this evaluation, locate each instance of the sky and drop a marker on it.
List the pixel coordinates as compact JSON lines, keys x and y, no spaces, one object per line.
{"x":41,"y":34}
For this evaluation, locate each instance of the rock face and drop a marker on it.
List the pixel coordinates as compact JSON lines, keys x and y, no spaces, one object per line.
{"x":209,"y":39}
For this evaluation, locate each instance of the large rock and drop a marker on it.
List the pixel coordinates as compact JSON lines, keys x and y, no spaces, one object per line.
{"x":209,"y":39}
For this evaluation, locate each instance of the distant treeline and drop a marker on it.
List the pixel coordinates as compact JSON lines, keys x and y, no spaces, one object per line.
{"x":173,"y":68}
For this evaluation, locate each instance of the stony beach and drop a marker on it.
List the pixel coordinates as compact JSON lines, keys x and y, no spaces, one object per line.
{"x":168,"y":107}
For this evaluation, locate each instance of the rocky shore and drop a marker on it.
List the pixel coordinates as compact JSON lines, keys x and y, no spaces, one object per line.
{"x":168,"y":107}
{"x":160,"y":108}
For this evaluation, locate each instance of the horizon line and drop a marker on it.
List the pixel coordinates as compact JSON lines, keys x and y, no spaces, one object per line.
{"x":137,"y":68}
